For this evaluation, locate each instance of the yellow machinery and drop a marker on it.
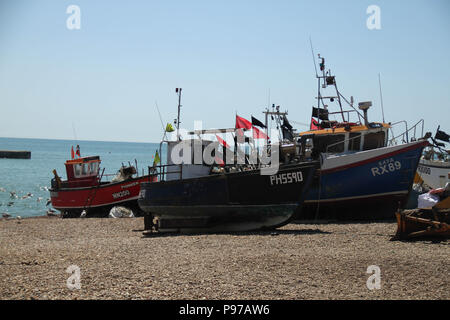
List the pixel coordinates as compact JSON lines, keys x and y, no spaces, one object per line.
{"x":425,"y":222}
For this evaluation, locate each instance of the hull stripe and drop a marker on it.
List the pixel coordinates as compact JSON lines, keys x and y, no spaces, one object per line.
{"x":359,"y":197}
{"x":98,"y":205}
{"x":377,"y":158}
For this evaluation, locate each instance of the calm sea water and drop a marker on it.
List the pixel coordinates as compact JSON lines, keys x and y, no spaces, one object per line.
{"x":24,"y":176}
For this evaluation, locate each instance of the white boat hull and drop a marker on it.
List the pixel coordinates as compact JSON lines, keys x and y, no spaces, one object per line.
{"x":435,"y":174}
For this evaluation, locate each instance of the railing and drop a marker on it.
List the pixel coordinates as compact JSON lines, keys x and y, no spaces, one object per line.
{"x":405,"y":134}
{"x":107,"y":177}
{"x":348,"y":114}
{"x":161,"y":171}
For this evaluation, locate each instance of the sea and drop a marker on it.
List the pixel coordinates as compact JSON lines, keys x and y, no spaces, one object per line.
{"x":25,"y":183}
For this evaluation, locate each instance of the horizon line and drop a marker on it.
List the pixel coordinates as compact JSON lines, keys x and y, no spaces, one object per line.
{"x":2,"y":137}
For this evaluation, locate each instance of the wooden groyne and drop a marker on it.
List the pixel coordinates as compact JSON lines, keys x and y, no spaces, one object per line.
{"x":12,"y":154}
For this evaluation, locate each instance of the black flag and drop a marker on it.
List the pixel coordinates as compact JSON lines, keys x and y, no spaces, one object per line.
{"x":438,"y":144}
{"x":286,"y":130}
{"x":320,"y":113}
{"x":441,"y":135}
{"x":258,"y":123}
{"x":286,"y":123}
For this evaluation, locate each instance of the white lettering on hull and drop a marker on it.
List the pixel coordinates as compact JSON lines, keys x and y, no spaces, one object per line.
{"x":121,"y":194}
{"x":286,"y":178}
{"x":386,"y":166}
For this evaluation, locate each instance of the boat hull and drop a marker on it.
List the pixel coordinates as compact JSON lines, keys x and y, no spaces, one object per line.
{"x":435,"y":174}
{"x":367,"y":185}
{"x":241,"y":201}
{"x":98,"y":200}
{"x":225,"y":218}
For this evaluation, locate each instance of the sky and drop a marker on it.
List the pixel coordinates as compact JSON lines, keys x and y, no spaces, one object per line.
{"x":104,"y":80}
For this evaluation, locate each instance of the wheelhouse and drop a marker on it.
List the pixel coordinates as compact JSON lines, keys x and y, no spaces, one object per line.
{"x":348,"y":138}
{"x":83,"y":171}
{"x":338,"y":134}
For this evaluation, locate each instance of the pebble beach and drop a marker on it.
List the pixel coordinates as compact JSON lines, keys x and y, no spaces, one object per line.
{"x":298,"y":261}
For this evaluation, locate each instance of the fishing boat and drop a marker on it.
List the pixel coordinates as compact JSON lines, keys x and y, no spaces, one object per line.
{"x":364,"y":174}
{"x":84,"y":189}
{"x":434,"y":166}
{"x":364,"y":185}
{"x":197,"y":196}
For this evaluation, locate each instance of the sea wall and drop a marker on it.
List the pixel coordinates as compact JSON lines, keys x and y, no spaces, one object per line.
{"x":15,"y":154}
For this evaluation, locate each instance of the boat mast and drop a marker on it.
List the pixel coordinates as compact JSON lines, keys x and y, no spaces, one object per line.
{"x":381,"y":97}
{"x":178,"y":91}
{"x":278,"y":115}
{"x":328,"y":80}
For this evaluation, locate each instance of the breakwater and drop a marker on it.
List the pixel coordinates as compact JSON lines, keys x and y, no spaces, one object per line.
{"x":12,"y":154}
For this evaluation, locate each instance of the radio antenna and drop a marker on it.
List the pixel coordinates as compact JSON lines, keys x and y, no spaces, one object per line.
{"x":160,"y":118}
{"x":312,"y":53}
{"x":74,"y":133}
{"x":381,"y":97}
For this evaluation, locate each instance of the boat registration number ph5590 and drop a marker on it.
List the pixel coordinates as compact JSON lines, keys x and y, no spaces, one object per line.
{"x":284,"y":178}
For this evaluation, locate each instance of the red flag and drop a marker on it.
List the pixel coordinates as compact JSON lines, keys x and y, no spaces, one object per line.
{"x":222,"y":142}
{"x":314,"y":125}
{"x":78,"y":151}
{"x":258,"y":134}
{"x":72,"y":153}
{"x":242,"y":123}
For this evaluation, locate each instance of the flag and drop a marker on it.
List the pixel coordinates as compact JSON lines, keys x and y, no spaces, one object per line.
{"x":222,"y":142}
{"x":286,"y":130}
{"x":439,"y":144}
{"x":78,"y":151}
{"x":314,"y":125}
{"x":169,"y":127}
{"x":157,"y":159}
{"x":258,"y":123}
{"x":441,"y":135}
{"x":320,"y":113}
{"x":258,"y":134}
{"x":287,"y":134}
{"x":286,"y":123}
{"x":72,"y":153}
{"x":242,"y":123}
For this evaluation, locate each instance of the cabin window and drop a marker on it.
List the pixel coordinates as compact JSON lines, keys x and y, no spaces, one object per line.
{"x":374,"y":140}
{"x":85,"y":169}
{"x":77,"y":169}
{"x":322,"y":142}
{"x":355,"y":142}
{"x":94,"y":167}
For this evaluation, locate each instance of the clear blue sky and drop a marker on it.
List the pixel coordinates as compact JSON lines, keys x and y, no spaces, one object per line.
{"x":104,"y":79}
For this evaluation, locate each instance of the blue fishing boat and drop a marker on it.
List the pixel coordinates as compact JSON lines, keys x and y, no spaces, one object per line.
{"x":364,"y":174}
{"x":364,"y":185}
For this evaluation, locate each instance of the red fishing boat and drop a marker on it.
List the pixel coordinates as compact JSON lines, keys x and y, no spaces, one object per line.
{"x":84,"y":189}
